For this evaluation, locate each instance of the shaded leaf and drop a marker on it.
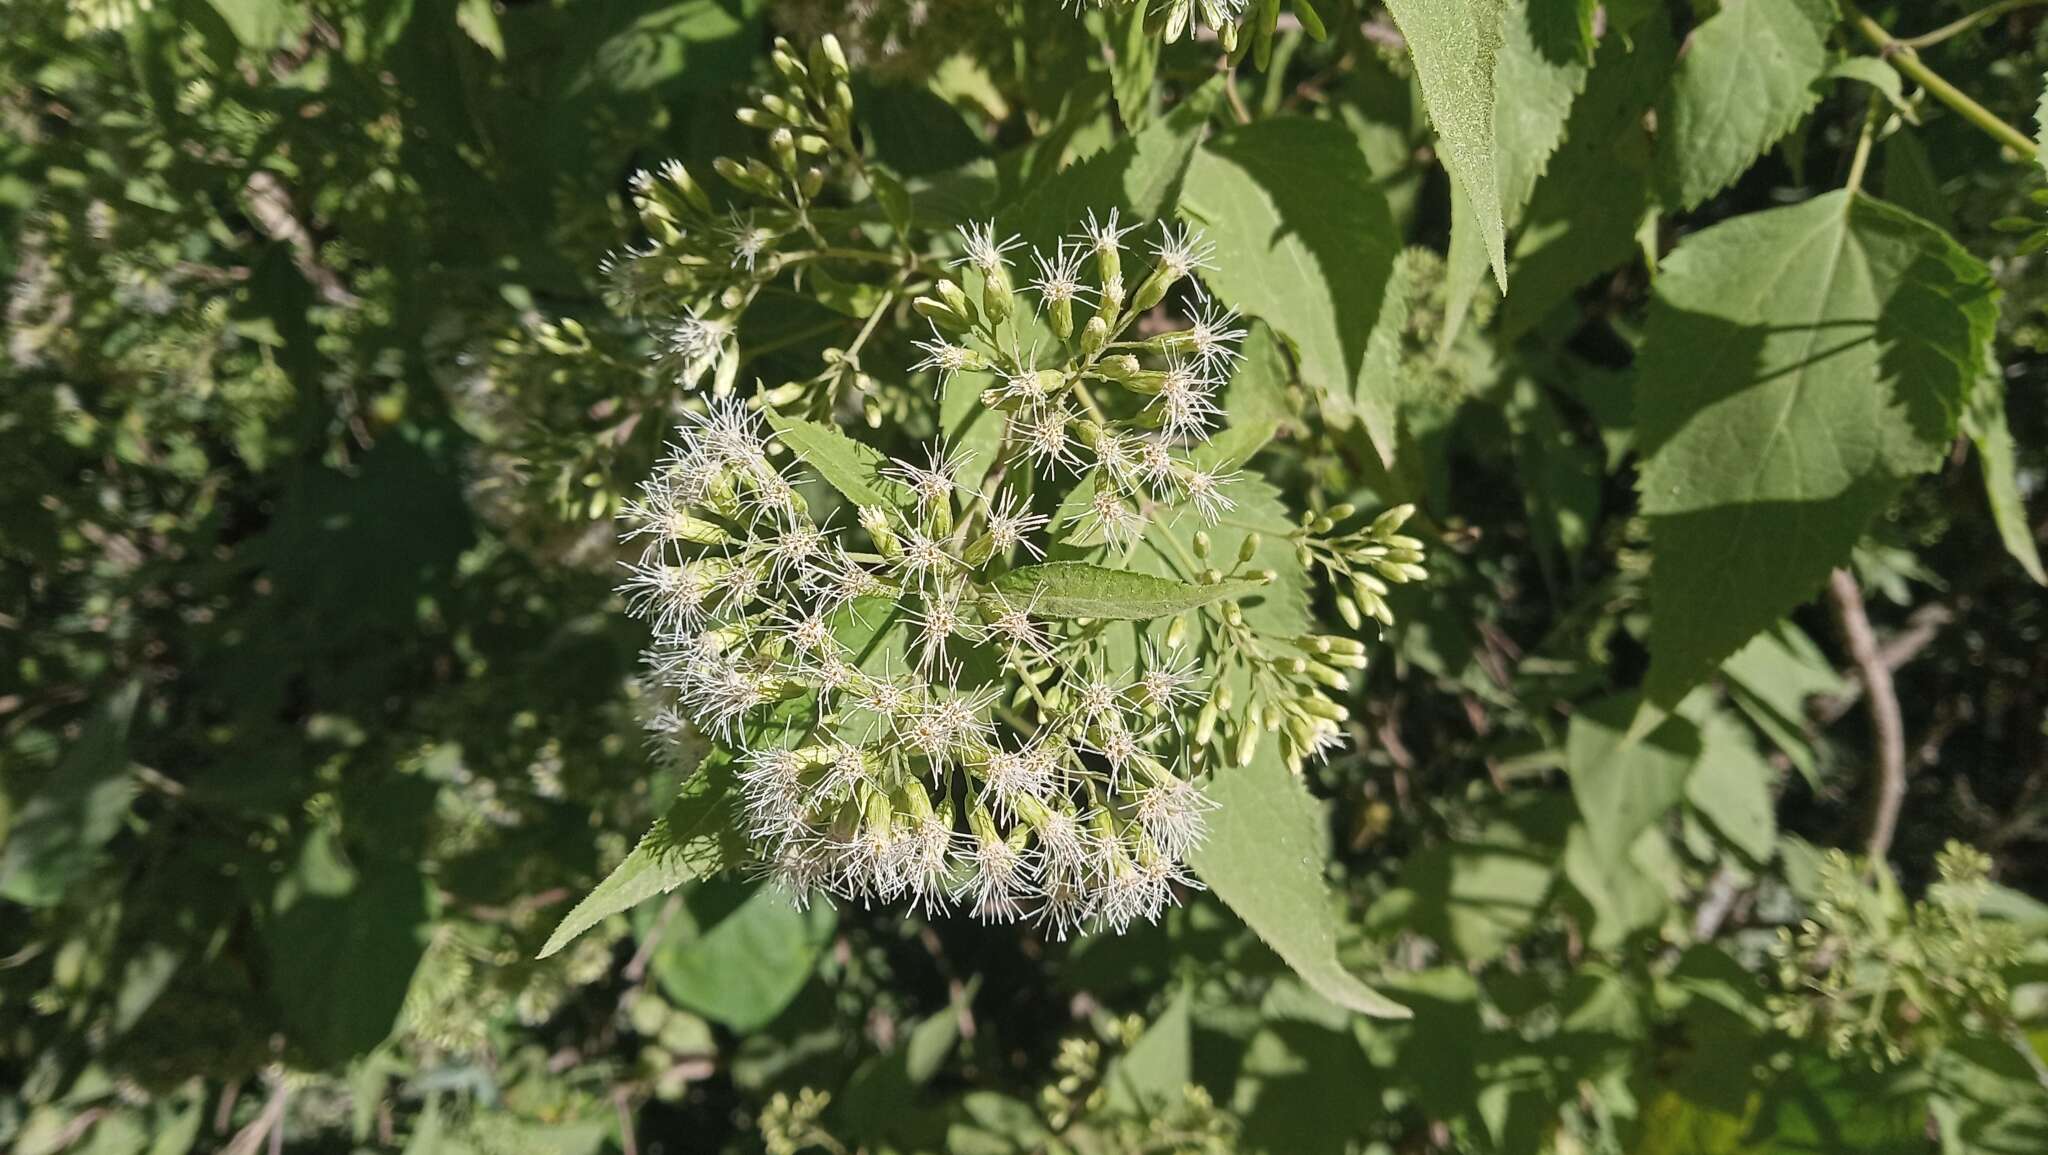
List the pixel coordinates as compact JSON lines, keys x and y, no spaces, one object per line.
{"x":1798,"y":365}
{"x":57,"y":836}
{"x":1454,"y":44}
{"x":1745,"y":79}
{"x":1264,"y":857}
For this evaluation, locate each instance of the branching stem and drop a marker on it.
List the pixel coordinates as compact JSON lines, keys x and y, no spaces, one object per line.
{"x":1901,"y":56}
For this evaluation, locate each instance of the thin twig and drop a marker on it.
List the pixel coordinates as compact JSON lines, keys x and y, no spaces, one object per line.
{"x":1923,"y":625}
{"x":1958,"y":27}
{"x":1887,"y":728}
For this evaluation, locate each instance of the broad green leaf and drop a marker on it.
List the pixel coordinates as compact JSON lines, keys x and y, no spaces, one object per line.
{"x":1304,"y":242}
{"x":739,"y":952}
{"x":1623,"y":896}
{"x":56,"y":837}
{"x":1265,"y":857}
{"x":849,"y":466}
{"x":1745,"y":80}
{"x":1152,"y":1073}
{"x":1731,"y":786}
{"x":1075,"y":589}
{"x":696,"y":838}
{"x":1986,"y":424}
{"x":646,"y":45}
{"x":1799,"y":364}
{"x":1910,"y":181}
{"x":1771,"y":678}
{"x":1477,"y":894}
{"x":1623,"y":786}
{"x":343,"y":940}
{"x":1454,"y":44}
{"x":1140,"y":176}
{"x":1878,"y":75}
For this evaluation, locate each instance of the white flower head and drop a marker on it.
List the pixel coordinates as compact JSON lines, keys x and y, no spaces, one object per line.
{"x":1105,"y":235}
{"x":945,"y":357}
{"x":1214,"y":336}
{"x":1185,"y":400}
{"x":748,"y":240}
{"x":984,"y":251}
{"x":1210,"y":492}
{"x":937,"y":480}
{"x":999,"y":880}
{"x":694,"y":346}
{"x":1182,"y":252}
{"x":1011,"y":525}
{"x":1059,"y":279}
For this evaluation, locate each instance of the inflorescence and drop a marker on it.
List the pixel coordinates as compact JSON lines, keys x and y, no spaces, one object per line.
{"x":903,"y":710}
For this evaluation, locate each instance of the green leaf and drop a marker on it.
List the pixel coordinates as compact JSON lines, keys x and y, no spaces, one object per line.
{"x":1986,"y":424}
{"x":696,"y":838}
{"x":1623,"y":786}
{"x":1731,"y":786}
{"x":1140,"y":176}
{"x":1151,"y":1075}
{"x":851,"y":467}
{"x":1745,"y":80}
{"x":1477,"y":895}
{"x":1132,"y":67}
{"x":1304,"y":242}
{"x":2041,"y":123}
{"x":343,"y":941}
{"x":1623,"y":896}
{"x":479,"y":18}
{"x":739,"y":952}
{"x":645,"y":45}
{"x":259,"y":24}
{"x":1454,"y":44}
{"x":1877,"y":74}
{"x":1797,"y":366}
{"x":56,"y":838}
{"x":1075,"y":589}
{"x":1264,"y":857}
{"x":1533,"y":94}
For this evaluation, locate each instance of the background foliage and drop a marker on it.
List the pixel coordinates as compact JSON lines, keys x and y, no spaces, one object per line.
{"x":317,"y":713}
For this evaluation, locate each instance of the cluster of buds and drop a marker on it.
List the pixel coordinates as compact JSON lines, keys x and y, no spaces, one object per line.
{"x":703,"y":265}
{"x":1362,"y":563}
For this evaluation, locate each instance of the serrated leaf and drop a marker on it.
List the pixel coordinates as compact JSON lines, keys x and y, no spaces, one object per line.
{"x":1986,"y":425}
{"x":1745,"y":79}
{"x":1264,"y":857}
{"x":1304,"y":242}
{"x":696,"y":838}
{"x":1132,"y":67}
{"x":1533,"y":94}
{"x":1140,"y":176}
{"x":849,"y":466}
{"x":1077,"y":589}
{"x":1454,"y":44}
{"x":1798,"y":366}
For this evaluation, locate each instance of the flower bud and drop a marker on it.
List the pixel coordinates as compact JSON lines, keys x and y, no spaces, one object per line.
{"x":1094,"y":335}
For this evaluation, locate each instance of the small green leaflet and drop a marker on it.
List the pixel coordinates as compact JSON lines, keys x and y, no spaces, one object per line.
{"x":694,"y":839}
{"x":1454,"y":43}
{"x":1074,"y":589}
{"x":1745,"y":80}
{"x":1264,"y":857}
{"x":1731,"y":786}
{"x":846,"y":465}
{"x":1798,"y":366}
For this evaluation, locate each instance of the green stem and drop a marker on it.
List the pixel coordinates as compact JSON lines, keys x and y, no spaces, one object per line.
{"x":1958,"y":27}
{"x":1863,"y":143}
{"x":1901,"y":56}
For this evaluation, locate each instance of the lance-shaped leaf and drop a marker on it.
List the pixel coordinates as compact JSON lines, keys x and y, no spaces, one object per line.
{"x":1454,"y":44}
{"x":1798,"y":365}
{"x":1074,"y":589}
{"x":846,"y":465}
{"x":697,"y":837}
{"x":1264,"y":857}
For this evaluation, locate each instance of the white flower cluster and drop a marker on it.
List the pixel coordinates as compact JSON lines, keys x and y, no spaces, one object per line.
{"x":1175,"y":17}
{"x":906,"y":726}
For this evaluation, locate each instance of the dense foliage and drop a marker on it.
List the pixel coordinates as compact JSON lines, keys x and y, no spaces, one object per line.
{"x":1128,"y":576}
